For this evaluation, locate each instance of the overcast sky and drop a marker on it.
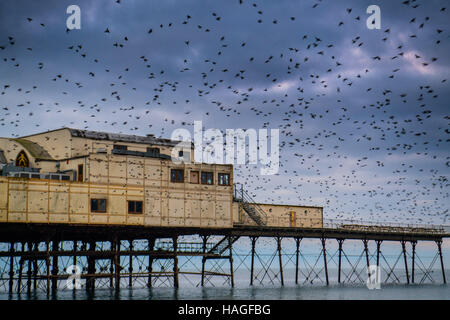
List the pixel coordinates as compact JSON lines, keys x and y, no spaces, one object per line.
{"x":363,"y":114}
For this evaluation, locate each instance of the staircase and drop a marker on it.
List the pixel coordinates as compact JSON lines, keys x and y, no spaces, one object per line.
{"x":222,"y":246}
{"x":246,"y":202}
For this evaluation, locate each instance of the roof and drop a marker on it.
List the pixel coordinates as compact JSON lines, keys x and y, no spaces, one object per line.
{"x":288,"y":205}
{"x":37,"y":151}
{"x":100,"y":135}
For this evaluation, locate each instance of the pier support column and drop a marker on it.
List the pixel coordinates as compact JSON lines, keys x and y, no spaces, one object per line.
{"x":340,"y":242}
{"x":205,"y":241}
{"x":151,"y":247}
{"x":111,"y":263}
{"x":21,"y":261}
{"x":297,"y":254}
{"x":35,"y":265}
{"x":230,"y":243}
{"x":378,"y":251}
{"x":116,"y":263}
{"x":30,"y":249}
{"x":75,"y":249}
{"x":413,"y":244}
{"x":11,"y":267}
{"x":439,"y":244}
{"x":130,"y":265}
{"x":47,"y":264}
{"x":55,"y":270}
{"x":366,"y":250}
{"x":406,"y":261}
{"x":90,"y":281}
{"x":325,"y":260}
{"x":280,"y":260}
{"x":175,"y":262}
{"x":252,"y":268}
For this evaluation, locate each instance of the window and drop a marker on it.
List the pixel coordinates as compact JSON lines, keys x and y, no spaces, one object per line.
{"x":153,"y":151}
{"x":135,"y":207}
{"x":207,"y":177}
{"x":194,"y":177}
{"x":180,"y":153}
{"x":176,"y":175}
{"x":120,"y":147}
{"x":80,"y":177}
{"x":98,"y":205}
{"x":224,"y":179}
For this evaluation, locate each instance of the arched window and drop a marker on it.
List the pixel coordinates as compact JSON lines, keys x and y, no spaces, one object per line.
{"x":22,"y":160}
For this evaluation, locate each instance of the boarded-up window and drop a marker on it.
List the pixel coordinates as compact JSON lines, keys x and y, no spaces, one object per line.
{"x":194,"y":177}
{"x":98,"y":205}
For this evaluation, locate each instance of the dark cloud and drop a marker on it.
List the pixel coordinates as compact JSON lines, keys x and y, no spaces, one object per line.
{"x":363,"y":137}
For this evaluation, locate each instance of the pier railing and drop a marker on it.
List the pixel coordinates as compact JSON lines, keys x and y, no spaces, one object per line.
{"x":377,"y":226}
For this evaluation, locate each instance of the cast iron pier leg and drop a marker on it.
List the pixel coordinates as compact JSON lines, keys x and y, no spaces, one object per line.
{"x":325,"y":260}
{"x":252,"y":269}
{"x":205,"y":241}
{"x":29,"y":268}
{"x":378,"y":252}
{"x":35,"y":266}
{"x":230,"y":243}
{"x":406,"y":261}
{"x":90,"y":281}
{"x":439,"y":243}
{"x":151,"y":246}
{"x":55,"y":246}
{"x":175,"y":262}
{"x":280,"y":259}
{"x":11,"y":268}
{"x":340,"y":242}
{"x":116,"y":263}
{"x":413,"y":244}
{"x":21,"y":261}
{"x":366,"y":249}
{"x":47,"y":263}
{"x":297,"y":253}
{"x":130,"y":266}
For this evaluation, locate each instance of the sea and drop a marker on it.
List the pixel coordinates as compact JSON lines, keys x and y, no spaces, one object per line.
{"x":333,"y":292}
{"x":243,"y":291}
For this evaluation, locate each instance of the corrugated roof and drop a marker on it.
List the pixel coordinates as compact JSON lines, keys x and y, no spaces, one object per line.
{"x":37,"y":151}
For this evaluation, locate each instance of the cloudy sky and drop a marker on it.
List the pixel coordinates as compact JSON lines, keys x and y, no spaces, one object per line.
{"x":363,"y":114}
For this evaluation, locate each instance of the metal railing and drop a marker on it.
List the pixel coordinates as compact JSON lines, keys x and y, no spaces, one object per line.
{"x":248,"y":204}
{"x":378,"y":226}
{"x":187,"y":247}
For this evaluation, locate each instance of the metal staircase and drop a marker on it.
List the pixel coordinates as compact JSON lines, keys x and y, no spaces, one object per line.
{"x":223,"y":245}
{"x":246,"y":202}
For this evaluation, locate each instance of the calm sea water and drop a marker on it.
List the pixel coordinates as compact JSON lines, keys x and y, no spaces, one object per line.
{"x":333,"y":292}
